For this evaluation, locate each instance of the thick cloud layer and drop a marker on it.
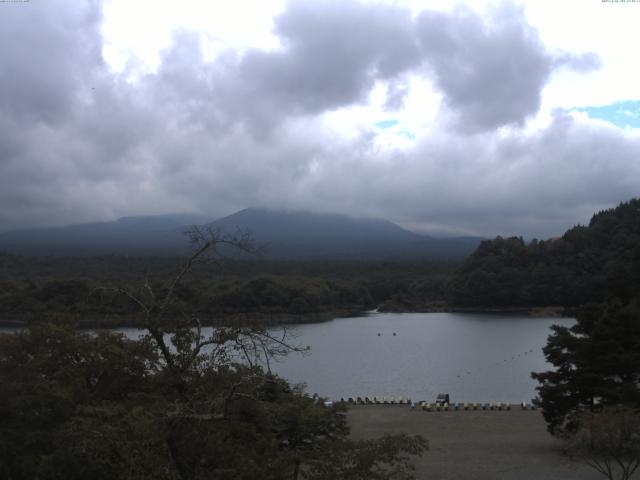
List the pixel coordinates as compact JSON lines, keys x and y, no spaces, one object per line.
{"x":491,"y":75}
{"x":79,"y":143}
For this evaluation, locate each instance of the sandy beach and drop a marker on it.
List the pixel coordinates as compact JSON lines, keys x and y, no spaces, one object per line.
{"x":478,"y":445}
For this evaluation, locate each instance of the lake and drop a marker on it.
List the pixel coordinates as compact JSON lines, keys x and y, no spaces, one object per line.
{"x":473,"y":357}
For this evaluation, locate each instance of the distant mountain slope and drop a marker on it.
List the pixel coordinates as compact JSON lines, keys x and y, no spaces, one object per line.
{"x":125,"y":235}
{"x":289,"y":235}
{"x":307,"y":235}
{"x":278,"y":225}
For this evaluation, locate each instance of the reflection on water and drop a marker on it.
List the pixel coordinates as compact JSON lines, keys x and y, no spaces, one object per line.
{"x":473,"y":357}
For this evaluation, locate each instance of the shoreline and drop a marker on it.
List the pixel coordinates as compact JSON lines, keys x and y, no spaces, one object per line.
{"x":274,"y":319}
{"x":532,"y":311}
{"x":242,"y":319}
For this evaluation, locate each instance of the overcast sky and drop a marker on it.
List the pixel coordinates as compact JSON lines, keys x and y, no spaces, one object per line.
{"x":474,"y":117}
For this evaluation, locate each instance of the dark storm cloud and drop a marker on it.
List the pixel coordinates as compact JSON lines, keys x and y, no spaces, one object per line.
{"x":491,"y":71}
{"x":74,"y":138}
{"x":527,"y":184}
{"x":49,"y":53}
{"x":332,"y":55}
{"x":46,"y":57}
{"x":79,"y":143}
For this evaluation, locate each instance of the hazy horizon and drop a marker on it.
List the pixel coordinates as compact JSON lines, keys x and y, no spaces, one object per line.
{"x":194,"y":218}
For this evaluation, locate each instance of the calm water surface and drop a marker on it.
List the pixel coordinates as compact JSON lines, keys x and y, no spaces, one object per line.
{"x":473,"y":357}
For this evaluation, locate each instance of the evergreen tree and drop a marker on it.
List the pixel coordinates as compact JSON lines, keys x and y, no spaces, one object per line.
{"x":597,"y":364}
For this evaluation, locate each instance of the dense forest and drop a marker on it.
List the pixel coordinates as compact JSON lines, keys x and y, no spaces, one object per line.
{"x":586,"y":264}
{"x":273,"y":291}
{"x":590,"y":398}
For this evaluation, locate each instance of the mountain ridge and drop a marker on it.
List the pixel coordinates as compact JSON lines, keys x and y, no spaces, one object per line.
{"x":290,"y":234}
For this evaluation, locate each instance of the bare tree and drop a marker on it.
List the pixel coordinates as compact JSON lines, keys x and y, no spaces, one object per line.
{"x":176,"y":404}
{"x":608,"y":441}
{"x":178,"y":335}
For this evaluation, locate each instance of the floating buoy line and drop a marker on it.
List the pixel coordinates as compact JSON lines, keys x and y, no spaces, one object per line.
{"x":500,"y":363}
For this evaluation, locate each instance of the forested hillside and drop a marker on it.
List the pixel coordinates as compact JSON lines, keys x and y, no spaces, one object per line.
{"x":33,"y":288}
{"x":586,"y":264}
